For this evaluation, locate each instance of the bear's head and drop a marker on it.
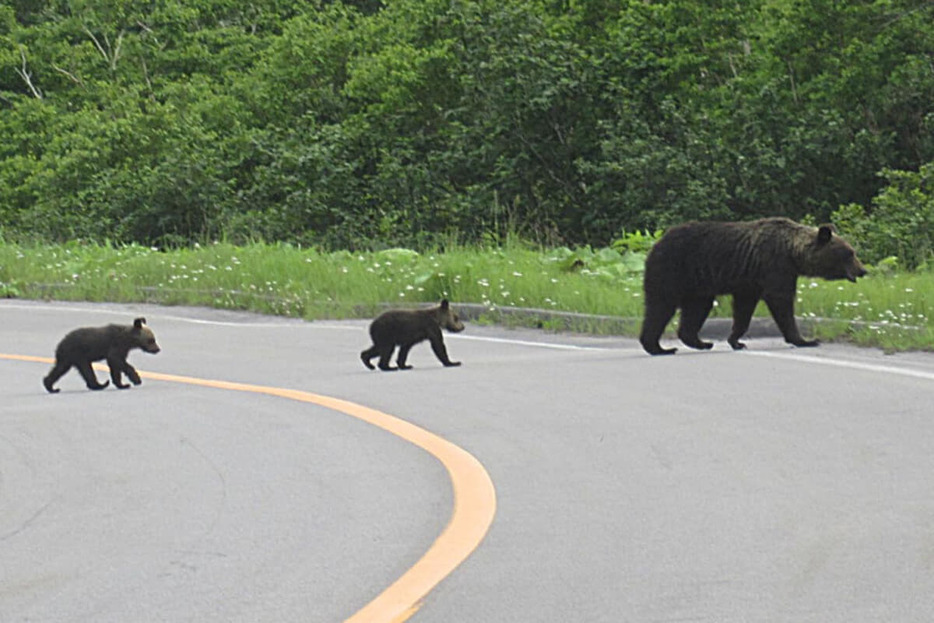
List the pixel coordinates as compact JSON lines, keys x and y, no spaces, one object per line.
{"x":829,"y":256}
{"x":448,"y":318}
{"x":143,"y":337}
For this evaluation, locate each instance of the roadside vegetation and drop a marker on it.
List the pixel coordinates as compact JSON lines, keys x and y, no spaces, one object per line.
{"x":356,"y":153}
{"x":372,"y":124}
{"x":889,"y":309}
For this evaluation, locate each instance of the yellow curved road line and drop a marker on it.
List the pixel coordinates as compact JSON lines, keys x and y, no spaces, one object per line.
{"x":474,"y":496}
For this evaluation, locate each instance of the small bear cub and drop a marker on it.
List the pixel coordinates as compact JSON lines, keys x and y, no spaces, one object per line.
{"x":407,"y":327}
{"x":113,"y":343}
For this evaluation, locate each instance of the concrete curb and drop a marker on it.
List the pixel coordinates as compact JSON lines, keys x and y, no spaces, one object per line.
{"x":714,"y":328}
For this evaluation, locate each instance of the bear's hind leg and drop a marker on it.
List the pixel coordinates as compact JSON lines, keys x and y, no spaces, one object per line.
{"x":385,"y":354}
{"x":694,"y":312}
{"x":57,"y":372}
{"x":403,"y":356}
{"x":369,"y":354}
{"x":657,"y":316}
{"x":84,"y":367}
{"x":744,"y":304}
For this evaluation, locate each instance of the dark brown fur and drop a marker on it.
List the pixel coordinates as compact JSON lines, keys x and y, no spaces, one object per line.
{"x":113,"y":343}
{"x":407,"y":327}
{"x":695,"y":262}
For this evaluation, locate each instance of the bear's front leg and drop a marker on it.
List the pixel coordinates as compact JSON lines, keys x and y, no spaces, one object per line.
{"x":437,"y":345}
{"x":116,"y":369}
{"x":132,"y":374}
{"x":783,"y":311}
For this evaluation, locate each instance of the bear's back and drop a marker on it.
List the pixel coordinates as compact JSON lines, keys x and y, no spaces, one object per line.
{"x":91,"y":343}
{"x":712,"y":258}
{"x":403,"y":325}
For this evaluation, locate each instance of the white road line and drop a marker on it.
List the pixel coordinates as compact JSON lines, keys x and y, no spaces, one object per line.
{"x":826,"y":361}
{"x":132,"y":314}
{"x":293,"y":325}
{"x":504,"y":340}
{"x":842,"y":363}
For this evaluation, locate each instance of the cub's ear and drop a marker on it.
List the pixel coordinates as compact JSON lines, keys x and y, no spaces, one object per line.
{"x":444,"y":304}
{"x":824,"y":234}
{"x":138,"y":323}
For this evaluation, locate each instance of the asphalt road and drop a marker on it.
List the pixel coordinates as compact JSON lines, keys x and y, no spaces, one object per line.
{"x":774,"y":484}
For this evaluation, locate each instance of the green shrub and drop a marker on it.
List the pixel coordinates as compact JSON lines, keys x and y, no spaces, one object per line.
{"x":900,"y":222}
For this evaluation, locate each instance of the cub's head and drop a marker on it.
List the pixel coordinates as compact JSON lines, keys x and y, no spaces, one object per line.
{"x":143,"y":337}
{"x":448,"y":318}
{"x":831,"y":257}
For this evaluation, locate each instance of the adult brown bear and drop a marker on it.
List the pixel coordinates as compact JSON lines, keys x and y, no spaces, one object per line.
{"x":407,"y":327}
{"x":695,"y":262}
{"x":113,"y":343}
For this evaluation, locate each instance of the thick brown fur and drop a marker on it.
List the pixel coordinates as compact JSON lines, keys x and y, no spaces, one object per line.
{"x":407,"y":327}
{"x":113,"y":343}
{"x":695,"y":262}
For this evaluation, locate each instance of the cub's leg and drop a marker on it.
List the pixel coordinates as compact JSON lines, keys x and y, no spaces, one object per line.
{"x":369,"y":354}
{"x":57,"y":372}
{"x":84,"y":367}
{"x":437,"y":345}
{"x":118,"y":367}
{"x":132,"y":374}
{"x":404,"y":355}
{"x":385,"y":354}
{"x":694,"y":312}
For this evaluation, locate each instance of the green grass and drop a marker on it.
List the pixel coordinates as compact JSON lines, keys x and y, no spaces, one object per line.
{"x":890,"y":310}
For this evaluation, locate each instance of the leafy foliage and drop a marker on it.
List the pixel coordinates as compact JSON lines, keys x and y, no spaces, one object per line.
{"x":370,"y":125}
{"x":900,"y":222}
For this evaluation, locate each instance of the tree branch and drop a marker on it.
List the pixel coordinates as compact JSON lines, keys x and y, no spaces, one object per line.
{"x":116,"y":53}
{"x":97,"y":43}
{"x":110,"y":53}
{"x":73,"y":77}
{"x":27,"y":76}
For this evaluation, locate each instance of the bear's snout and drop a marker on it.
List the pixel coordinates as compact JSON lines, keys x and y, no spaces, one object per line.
{"x":857,"y":271}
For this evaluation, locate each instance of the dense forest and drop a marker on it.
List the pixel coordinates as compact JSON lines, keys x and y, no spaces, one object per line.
{"x":367,"y":124}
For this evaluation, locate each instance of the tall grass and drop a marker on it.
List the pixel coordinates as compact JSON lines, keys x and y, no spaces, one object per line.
{"x":284,"y":279}
{"x":891,"y":310}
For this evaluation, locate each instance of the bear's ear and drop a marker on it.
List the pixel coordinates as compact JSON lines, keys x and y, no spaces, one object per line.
{"x":138,"y":323}
{"x":824,"y":234}
{"x":444,"y":304}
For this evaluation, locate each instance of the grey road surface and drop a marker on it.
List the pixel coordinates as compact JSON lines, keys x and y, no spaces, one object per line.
{"x":775,"y":484}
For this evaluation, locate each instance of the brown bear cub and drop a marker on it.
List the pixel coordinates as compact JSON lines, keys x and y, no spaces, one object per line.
{"x":407,"y":327}
{"x":695,"y":262}
{"x":113,"y":343}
